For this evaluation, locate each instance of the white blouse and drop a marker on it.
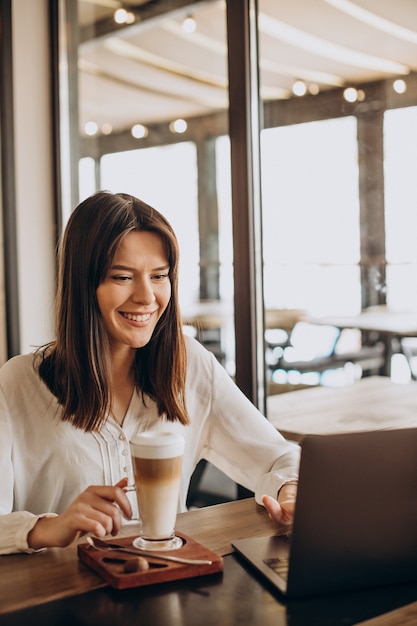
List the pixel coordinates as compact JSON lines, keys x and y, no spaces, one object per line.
{"x":46,"y":463}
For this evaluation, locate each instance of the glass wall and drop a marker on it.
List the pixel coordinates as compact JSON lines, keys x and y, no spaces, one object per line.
{"x":148,"y":118}
{"x":164,"y":177}
{"x":338,"y":93}
{"x":311,"y":228}
{"x":338,"y":188}
{"x":400,"y":163}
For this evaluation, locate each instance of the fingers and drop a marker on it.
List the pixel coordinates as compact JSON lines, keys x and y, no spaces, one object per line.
{"x":122,"y":483}
{"x":282,"y":513}
{"x":273,"y":508}
{"x":286,"y":497}
{"x":87,"y":514}
{"x":116,"y":495}
{"x":98,"y":511}
{"x":108,"y":503}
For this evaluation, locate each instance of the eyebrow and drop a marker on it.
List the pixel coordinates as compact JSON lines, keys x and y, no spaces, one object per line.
{"x":132,"y":269}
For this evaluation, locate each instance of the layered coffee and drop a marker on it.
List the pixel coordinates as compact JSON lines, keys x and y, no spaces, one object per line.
{"x":157,"y":461}
{"x":157,"y":492}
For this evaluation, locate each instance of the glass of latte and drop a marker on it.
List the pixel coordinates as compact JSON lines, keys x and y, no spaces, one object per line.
{"x":157,"y":459}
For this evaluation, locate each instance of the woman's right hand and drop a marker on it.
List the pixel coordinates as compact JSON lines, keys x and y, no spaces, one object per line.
{"x":97,"y":510}
{"x":281,"y":510}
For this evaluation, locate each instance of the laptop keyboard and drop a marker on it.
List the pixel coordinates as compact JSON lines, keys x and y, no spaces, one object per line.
{"x":279,"y":566}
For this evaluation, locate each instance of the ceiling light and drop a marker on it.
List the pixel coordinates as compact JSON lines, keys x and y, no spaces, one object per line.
{"x":314,"y":89}
{"x":139,"y":131}
{"x":91,"y":128}
{"x":299,"y":88}
{"x":350,"y":94}
{"x":178,"y":126}
{"x":106,"y":128}
{"x":399,"y":85}
{"x":189,"y":24}
{"x":121,"y":16}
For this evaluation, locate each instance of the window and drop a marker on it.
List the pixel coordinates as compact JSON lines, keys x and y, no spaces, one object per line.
{"x":311,"y":217}
{"x":166,"y":178}
{"x":400,"y":164}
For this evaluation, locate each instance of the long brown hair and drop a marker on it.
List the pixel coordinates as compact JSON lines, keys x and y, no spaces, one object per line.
{"x":75,"y":366}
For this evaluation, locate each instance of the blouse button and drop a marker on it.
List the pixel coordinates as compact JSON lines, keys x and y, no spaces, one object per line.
{"x":122,"y":437}
{"x":124,"y":452}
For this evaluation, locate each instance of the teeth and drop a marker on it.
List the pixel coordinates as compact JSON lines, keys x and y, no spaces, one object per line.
{"x":137,"y":318}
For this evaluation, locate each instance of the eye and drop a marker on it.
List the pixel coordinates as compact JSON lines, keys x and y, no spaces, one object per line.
{"x":120,"y":278}
{"x":160,"y":277}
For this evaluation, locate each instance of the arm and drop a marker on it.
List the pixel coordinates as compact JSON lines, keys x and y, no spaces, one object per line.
{"x":262,"y":459}
{"x":236,"y":437}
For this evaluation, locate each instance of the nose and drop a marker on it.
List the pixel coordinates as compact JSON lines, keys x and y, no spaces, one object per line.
{"x":143,"y":292}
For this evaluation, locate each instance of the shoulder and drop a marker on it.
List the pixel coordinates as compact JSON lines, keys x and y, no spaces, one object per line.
{"x":22,"y":389}
{"x":19,"y":369}
{"x":196,"y":352}
{"x":22,"y":362}
{"x":200,"y":362}
{"x":202,"y":366}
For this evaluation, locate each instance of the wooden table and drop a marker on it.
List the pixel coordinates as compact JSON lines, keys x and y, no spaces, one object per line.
{"x":57,"y":573}
{"x":369,"y":404}
{"x":54,"y":587}
{"x":387,"y":325}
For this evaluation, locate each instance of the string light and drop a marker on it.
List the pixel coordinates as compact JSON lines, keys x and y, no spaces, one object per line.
{"x":107,"y":128}
{"x":91,"y":129}
{"x":139,"y":131}
{"x":189,"y":24}
{"x":299,"y":88}
{"x":178,"y":126}
{"x":399,"y":85}
{"x":121,"y":16}
{"x":350,"y":94}
{"x":314,"y":89}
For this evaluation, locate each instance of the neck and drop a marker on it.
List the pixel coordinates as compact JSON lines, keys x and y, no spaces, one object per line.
{"x":123,"y":383}
{"x":122,"y":362}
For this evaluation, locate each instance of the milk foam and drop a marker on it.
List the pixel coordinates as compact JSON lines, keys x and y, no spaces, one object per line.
{"x":157,"y":445}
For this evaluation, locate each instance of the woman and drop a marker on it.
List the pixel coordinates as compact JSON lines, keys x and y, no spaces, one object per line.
{"x":120,"y":364}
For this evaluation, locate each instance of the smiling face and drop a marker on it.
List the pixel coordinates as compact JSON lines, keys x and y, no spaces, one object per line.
{"x":136,"y":290}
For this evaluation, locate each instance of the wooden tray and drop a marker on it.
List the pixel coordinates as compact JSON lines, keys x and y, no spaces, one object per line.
{"x":114,"y":574}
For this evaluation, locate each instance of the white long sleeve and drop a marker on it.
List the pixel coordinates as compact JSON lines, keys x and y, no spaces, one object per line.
{"x":46,"y":463}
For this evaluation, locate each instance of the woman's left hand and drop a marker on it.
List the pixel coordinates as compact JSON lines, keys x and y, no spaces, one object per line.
{"x":282,"y":510}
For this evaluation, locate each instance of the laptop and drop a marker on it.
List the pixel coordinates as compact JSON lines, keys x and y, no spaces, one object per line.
{"x":355,"y":520}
